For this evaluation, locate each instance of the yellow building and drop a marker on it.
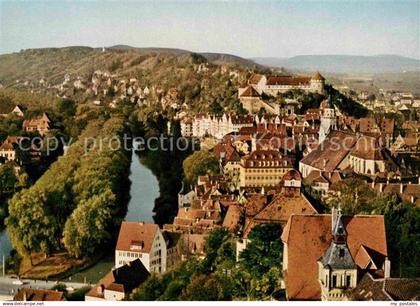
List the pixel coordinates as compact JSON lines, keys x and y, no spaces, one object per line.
{"x":263,"y":168}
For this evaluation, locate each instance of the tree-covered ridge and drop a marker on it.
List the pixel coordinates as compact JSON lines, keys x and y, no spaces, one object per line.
{"x":83,"y":186}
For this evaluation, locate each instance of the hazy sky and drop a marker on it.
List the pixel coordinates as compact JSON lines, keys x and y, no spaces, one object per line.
{"x":248,"y":29}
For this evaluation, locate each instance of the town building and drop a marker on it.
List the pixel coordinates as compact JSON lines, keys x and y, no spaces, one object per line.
{"x":311,"y":242}
{"x":273,"y":85}
{"x":203,"y":125}
{"x":119,"y":283}
{"x":371,"y":288}
{"x":263,"y":168}
{"x":332,"y":154}
{"x":42,"y":124}
{"x":144,"y":241}
{"x":10,"y":147}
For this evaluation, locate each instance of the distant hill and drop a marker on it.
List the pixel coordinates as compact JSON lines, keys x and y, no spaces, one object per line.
{"x":215,"y":58}
{"x":343,"y":63}
{"x":53,"y":64}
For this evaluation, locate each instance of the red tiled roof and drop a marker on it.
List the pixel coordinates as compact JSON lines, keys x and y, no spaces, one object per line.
{"x":331,"y":152}
{"x":136,"y":232}
{"x":29,"y":294}
{"x":123,"y":279}
{"x":367,"y":148}
{"x":250,"y":92}
{"x":233,"y":217}
{"x":308,"y":237}
{"x":288,"y":80}
{"x":255,"y":78}
{"x":279,"y":211}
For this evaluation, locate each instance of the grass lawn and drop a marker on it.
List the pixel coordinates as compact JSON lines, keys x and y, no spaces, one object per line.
{"x":47,"y":268}
{"x":95,"y":272}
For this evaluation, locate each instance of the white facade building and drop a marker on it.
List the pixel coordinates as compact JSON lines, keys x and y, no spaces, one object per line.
{"x":143,"y":241}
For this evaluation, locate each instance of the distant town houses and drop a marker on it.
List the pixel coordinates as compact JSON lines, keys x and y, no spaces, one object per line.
{"x":210,"y":125}
{"x":345,"y":151}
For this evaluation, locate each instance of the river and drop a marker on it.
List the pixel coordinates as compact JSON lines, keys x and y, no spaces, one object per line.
{"x":143,"y":191}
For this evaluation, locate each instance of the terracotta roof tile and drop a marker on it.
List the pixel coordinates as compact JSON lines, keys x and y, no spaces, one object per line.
{"x":134,"y":233}
{"x":309,"y":236}
{"x":29,"y":294}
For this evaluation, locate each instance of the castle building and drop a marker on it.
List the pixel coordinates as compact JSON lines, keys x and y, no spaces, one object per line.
{"x":275,"y":84}
{"x":250,"y":96}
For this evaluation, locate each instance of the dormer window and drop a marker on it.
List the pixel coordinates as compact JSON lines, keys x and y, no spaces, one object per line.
{"x":136,"y":245}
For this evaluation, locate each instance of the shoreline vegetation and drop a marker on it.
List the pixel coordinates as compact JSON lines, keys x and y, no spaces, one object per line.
{"x":83,"y":187}
{"x":91,"y":188}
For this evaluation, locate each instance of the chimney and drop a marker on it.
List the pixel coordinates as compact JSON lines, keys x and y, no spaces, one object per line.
{"x":333,"y":217}
{"x":325,"y":163}
{"x":387,"y":268}
{"x":401,"y":188}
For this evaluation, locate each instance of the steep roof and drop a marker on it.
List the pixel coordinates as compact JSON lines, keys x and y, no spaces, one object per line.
{"x":386,"y":289}
{"x":331,"y":152}
{"x":318,"y":77}
{"x":123,"y":279}
{"x":279,"y":210}
{"x":367,"y":148}
{"x":255,"y":78}
{"x":233,"y":217}
{"x":29,"y":294}
{"x":309,"y":236}
{"x":138,"y":234}
{"x":250,"y":92}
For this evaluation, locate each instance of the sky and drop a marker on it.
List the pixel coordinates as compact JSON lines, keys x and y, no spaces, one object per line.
{"x":244,"y":28}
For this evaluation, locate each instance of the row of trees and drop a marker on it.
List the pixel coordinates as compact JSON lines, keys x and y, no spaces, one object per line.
{"x":219,"y":276}
{"x":79,"y":201}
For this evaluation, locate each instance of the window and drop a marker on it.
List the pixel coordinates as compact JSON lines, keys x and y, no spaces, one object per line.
{"x":348,"y":280}
{"x":334,"y":281}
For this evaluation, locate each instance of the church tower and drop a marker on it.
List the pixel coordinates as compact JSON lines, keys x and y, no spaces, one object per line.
{"x":337,"y":271}
{"x":328,"y":119}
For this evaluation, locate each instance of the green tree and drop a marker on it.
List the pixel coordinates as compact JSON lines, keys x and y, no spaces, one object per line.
{"x":200,"y":163}
{"x":264,"y":250}
{"x":204,"y":288}
{"x":8,"y":180}
{"x":67,"y":107}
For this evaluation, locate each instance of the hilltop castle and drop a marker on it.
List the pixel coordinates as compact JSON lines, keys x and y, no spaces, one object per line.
{"x":250,"y":95}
